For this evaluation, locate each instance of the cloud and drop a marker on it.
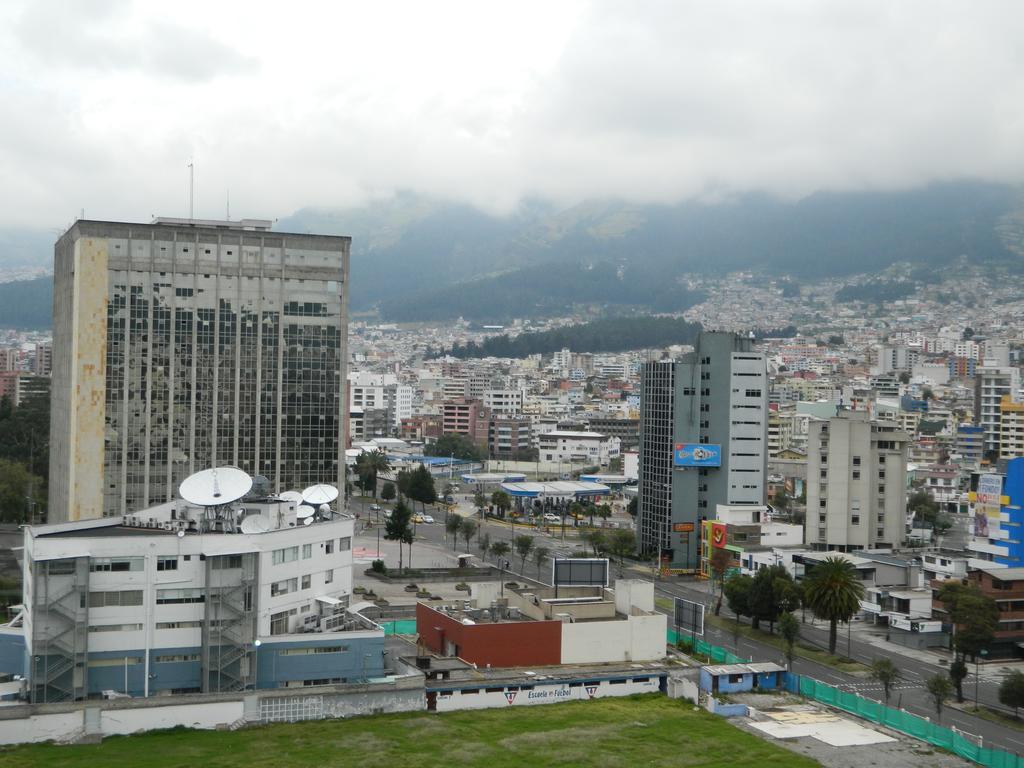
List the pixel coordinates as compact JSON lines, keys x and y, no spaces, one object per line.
{"x":107,"y":36}
{"x":331,"y":104}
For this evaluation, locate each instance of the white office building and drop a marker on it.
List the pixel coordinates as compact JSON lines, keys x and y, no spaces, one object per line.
{"x":578,"y":447}
{"x":181,"y":599}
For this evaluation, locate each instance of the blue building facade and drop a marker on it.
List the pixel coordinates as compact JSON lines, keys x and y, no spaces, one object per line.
{"x":1013,"y":488}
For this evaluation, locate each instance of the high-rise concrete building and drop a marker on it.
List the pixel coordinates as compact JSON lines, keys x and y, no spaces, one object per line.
{"x":1011,"y":428}
{"x":717,"y":396}
{"x":184,"y":344}
{"x":856,"y":481}
{"x":42,"y":364}
{"x":991,"y":383}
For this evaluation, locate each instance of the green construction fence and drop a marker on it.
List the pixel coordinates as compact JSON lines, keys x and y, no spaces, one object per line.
{"x":907,"y":723}
{"x":714,"y":652}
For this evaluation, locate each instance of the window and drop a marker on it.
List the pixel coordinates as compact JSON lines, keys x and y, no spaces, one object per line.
{"x":329,"y":546}
{"x":306,"y":581}
{"x":856,"y":461}
{"x":279,"y":622}
{"x":279,"y":588}
{"x":753,"y":393}
{"x":286,"y":555}
{"x":313,"y":650}
{"x":227,"y":561}
{"x":328,"y":576}
{"x":824,"y":474}
{"x":177,"y":596}
{"x":167,"y":564}
{"x":108,"y":599}
{"x":176,"y":657}
{"x":856,"y":474}
{"x":345,"y":544}
{"x":822,"y":503}
{"x":881,"y":474}
{"x":307,"y":551}
{"x":855,"y":520}
{"x":179,"y":625}
{"x":116,"y":628}
{"x":102,"y":564}
{"x":115,"y":661}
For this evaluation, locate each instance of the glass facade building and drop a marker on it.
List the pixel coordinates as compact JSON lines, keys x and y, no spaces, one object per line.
{"x":180,"y":346}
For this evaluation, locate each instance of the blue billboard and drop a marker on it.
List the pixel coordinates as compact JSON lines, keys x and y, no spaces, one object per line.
{"x":697,"y":455}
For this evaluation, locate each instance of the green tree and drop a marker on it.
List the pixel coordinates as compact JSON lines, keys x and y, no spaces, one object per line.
{"x":621,"y":542}
{"x":479,"y":501}
{"x":789,"y":629}
{"x":771,"y":593}
{"x":1011,"y":691}
{"x":540,"y":556}
{"x":604,"y":511}
{"x":369,"y":465}
{"x":957,"y":674}
{"x":938,"y":688}
{"x":524,"y":545}
{"x":975,"y":615}
{"x":719,"y":565}
{"x":737,"y":595}
{"x":459,"y":446}
{"x":17,"y":487}
{"x":499,"y":549}
{"x":886,"y":674}
{"x":404,"y":480}
{"x":833,"y":592}
{"x":631,"y":508}
{"x":387,"y":491}
{"x":452,"y":527}
{"x":484,"y":542}
{"x":422,"y":488}
{"x":502,"y":502}
{"x":924,"y":508}
{"x":468,"y":529}
{"x":398,"y":527}
{"x":597,"y":541}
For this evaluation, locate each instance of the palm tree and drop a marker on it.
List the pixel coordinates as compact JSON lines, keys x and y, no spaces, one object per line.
{"x":833,"y":593}
{"x":540,"y":556}
{"x":370,"y":464}
{"x":886,"y":673}
{"x":452,"y":526}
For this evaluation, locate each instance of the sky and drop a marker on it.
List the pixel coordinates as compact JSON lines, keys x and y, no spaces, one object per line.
{"x":288,"y":105}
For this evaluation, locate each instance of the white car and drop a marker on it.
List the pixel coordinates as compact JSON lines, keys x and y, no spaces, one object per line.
{"x":427,"y":519}
{"x":551,"y":518}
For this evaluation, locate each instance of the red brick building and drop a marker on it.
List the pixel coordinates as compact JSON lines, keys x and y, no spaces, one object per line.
{"x":508,"y":644}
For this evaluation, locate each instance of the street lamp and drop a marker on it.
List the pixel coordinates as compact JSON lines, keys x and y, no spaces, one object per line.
{"x":256,"y":665}
{"x":977,"y":662}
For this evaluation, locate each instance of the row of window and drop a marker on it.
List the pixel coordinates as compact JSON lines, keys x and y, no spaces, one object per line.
{"x":291,"y":554}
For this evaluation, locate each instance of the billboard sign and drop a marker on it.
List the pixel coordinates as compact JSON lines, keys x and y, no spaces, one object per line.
{"x":986,"y":505}
{"x":580,"y":572}
{"x":697,"y":455}
{"x":689,"y":617}
{"x":718,"y":535}
{"x":682,"y":527}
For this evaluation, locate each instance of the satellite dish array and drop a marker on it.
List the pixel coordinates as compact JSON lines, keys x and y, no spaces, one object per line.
{"x":215,"y":489}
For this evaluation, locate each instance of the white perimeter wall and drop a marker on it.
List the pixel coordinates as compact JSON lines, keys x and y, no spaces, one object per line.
{"x":638,"y":638}
{"x":543,"y":694}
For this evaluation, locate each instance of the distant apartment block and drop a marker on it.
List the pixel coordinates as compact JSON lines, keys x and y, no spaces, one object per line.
{"x":856,"y":481}
{"x":468,"y":418}
{"x":991,"y":384}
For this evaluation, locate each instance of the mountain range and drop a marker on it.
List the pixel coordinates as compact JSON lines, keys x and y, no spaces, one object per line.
{"x":415,"y":258}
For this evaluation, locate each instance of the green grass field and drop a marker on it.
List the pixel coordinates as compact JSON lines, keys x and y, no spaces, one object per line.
{"x":648,"y":730}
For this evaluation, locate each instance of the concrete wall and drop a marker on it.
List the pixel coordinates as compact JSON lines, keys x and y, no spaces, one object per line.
{"x":638,"y":638}
{"x":24,"y":724}
{"x":498,"y":695}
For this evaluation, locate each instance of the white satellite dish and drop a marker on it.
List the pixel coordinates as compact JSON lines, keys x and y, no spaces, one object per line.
{"x":308,"y":521}
{"x":320,"y":494}
{"x":305,"y":511}
{"x":293,"y":496}
{"x":325,"y":509}
{"x":254,"y":524}
{"x":214,"y":487}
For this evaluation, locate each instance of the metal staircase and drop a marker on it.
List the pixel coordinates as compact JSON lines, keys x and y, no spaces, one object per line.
{"x":230,"y":626}
{"x":59,"y":630}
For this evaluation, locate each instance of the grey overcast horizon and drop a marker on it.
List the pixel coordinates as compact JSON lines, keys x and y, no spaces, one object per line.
{"x":339,"y":104}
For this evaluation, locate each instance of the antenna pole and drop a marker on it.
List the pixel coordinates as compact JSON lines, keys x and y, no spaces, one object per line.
{"x":227,"y":212}
{"x":191,"y":190}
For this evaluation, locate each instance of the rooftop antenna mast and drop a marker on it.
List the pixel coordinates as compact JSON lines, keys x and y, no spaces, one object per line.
{"x":191,"y":189}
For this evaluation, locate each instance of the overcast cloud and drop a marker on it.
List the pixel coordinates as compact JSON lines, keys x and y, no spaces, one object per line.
{"x":333,"y":104}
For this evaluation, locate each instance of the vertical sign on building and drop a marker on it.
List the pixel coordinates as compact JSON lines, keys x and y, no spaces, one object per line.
{"x":986,"y":505}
